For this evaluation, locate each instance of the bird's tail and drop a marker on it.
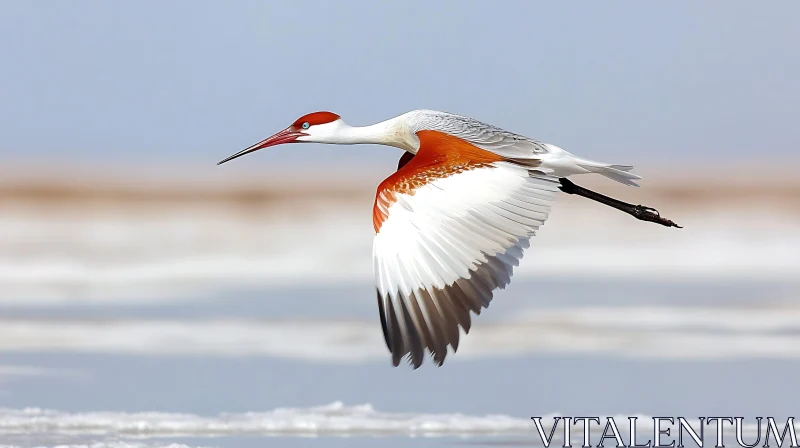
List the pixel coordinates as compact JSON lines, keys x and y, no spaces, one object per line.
{"x":619,"y":173}
{"x":559,"y":162}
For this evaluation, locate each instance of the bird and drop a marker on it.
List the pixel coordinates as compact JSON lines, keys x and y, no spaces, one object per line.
{"x":453,"y":221}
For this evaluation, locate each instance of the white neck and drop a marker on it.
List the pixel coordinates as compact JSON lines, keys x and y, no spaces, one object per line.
{"x":392,"y":132}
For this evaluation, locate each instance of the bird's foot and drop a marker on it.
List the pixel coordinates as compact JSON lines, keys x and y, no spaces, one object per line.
{"x":645,"y":208}
{"x":645,"y":213}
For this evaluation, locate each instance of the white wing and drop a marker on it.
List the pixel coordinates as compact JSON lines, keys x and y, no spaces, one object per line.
{"x":485,"y":136}
{"x":442,"y":250}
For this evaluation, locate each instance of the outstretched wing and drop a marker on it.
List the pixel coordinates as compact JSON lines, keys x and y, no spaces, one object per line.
{"x":485,"y":136}
{"x":451,"y":224}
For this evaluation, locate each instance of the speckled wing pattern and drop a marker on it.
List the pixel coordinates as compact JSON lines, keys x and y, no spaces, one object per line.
{"x":512,"y":146}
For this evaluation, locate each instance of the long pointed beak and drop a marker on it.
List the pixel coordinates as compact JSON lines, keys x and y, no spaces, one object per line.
{"x":287,"y":135}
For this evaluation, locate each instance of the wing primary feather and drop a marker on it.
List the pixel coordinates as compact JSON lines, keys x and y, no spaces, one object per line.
{"x":398,"y":347}
{"x":416,"y":346}
{"x":435,"y":266}
{"x":384,"y":325}
{"x":446,"y":253}
{"x":450,"y":315}
{"x":471,"y":296}
{"x":454,"y":249}
{"x":403,"y":271}
{"x":483,"y":294}
{"x":515,"y":251}
{"x":460,"y":310}
{"x":437,"y":324}
{"x":508,"y":261}
{"x":523,"y":221}
{"x":461,"y":305}
{"x":498,"y":224}
{"x":480,"y":225}
{"x":482,"y":276}
{"x":425,"y":328}
{"x":500,"y":272}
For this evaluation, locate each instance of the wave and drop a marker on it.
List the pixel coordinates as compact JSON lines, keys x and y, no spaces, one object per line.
{"x":332,"y":419}
{"x":335,"y":419}
{"x":108,"y":444}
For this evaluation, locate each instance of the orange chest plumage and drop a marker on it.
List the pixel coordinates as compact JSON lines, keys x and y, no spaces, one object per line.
{"x":440,"y":155}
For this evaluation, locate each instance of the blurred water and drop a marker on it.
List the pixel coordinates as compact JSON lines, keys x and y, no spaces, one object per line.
{"x":140,"y":317}
{"x":95,"y":254}
{"x":98,"y":373}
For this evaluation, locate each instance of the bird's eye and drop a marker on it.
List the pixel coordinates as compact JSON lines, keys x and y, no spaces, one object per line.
{"x":305,"y":125}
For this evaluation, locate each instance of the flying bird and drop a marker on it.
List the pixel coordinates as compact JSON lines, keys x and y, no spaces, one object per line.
{"x":454,"y":219}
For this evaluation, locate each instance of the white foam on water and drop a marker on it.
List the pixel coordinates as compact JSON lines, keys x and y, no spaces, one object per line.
{"x":110,"y":444}
{"x":335,"y":419}
{"x":646,"y":332}
{"x":332,"y":419}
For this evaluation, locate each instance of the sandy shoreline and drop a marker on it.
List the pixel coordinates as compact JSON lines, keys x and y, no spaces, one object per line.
{"x":673,"y":186}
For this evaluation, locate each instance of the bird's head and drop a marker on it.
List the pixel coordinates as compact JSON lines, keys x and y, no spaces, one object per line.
{"x":316,"y":127}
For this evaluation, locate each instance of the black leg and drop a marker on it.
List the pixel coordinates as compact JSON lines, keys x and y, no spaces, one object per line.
{"x":637,"y":211}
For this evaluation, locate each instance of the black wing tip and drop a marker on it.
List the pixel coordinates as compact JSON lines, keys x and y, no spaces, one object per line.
{"x":384,"y":324}
{"x":462,"y":299}
{"x":415,"y":363}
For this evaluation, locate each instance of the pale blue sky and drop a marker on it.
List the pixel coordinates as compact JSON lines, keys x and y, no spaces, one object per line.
{"x":190,"y":81}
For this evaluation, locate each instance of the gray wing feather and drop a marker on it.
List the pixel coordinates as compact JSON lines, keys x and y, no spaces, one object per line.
{"x":482,"y":135}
